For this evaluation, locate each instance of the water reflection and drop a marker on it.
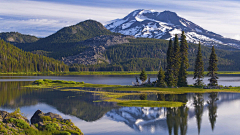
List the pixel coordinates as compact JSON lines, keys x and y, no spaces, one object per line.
{"x":175,"y":119}
{"x":198,"y":107}
{"x":155,"y":120}
{"x":78,"y":104}
{"x":212,"y":108}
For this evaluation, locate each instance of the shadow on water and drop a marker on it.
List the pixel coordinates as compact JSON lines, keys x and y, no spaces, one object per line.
{"x":78,"y":104}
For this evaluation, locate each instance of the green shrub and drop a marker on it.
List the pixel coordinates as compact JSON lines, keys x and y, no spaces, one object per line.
{"x":46,"y":118}
{"x":39,"y":82}
{"x":51,"y":127}
{"x":61,"y":133}
{"x":47,"y":80}
{"x":19,"y":123}
{"x":74,"y":132}
{"x":36,"y":125}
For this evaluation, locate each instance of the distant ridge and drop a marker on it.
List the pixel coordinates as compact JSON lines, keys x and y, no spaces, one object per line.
{"x":15,"y":37}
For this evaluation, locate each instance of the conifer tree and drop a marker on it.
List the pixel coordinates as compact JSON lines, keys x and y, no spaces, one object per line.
{"x":212,"y":68}
{"x":143,"y":76}
{"x":169,"y":78}
{"x":184,"y":50}
{"x":177,"y":60}
{"x":161,"y":82}
{"x":182,"y":77}
{"x":199,"y":68}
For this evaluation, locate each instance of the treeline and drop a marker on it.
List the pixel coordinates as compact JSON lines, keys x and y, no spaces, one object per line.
{"x":13,"y":59}
{"x":150,"y":54}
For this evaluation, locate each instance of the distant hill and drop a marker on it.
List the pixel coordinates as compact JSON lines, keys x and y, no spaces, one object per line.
{"x":62,"y":43}
{"x":15,"y":37}
{"x":13,"y":59}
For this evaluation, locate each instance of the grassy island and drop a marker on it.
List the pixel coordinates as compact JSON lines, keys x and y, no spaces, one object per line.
{"x":116,"y":93}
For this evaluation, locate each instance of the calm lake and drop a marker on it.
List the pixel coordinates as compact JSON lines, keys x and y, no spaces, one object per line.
{"x":205,"y":114}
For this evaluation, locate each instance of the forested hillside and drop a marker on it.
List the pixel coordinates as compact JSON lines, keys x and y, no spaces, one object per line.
{"x":13,"y":59}
{"x":149,"y":53}
{"x":17,"y":38}
{"x":63,"y":42}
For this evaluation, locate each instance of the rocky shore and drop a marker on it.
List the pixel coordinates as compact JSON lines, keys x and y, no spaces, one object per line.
{"x":41,"y":123}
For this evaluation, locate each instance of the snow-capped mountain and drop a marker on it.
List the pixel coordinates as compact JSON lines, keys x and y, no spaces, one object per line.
{"x":164,"y":25}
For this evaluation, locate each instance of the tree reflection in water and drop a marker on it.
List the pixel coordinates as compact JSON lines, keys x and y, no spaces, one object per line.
{"x":198,"y":107}
{"x":177,"y":117}
{"x":212,"y":108}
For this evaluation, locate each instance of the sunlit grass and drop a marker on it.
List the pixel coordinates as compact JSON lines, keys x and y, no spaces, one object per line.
{"x":115,"y":97}
{"x":103,"y":73}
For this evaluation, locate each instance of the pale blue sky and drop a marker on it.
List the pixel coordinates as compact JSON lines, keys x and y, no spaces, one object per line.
{"x":44,"y":17}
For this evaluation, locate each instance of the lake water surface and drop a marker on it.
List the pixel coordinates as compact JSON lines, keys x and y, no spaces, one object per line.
{"x":205,"y":114}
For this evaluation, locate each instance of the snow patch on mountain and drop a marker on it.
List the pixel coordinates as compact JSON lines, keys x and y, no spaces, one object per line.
{"x":164,"y":25}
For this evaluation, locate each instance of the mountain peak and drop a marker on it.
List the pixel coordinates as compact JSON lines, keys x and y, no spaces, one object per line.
{"x":164,"y":25}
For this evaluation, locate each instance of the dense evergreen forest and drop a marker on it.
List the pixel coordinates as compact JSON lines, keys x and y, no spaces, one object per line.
{"x":13,"y":59}
{"x":150,"y":53}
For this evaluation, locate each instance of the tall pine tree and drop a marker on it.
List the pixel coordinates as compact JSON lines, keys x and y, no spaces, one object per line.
{"x":169,"y":78}
{"x":199,"y":68}
{"x":176,"y":60}
{"x":184,"y":50}
{"x":182,"y":77}
{"x":161,"y":82}
{"x":212,"y":68}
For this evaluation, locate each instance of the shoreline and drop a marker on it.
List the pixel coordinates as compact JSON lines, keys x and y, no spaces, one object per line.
{"x":108,"y":73}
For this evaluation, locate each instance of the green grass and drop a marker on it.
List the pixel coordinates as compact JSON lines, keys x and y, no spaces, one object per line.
{"x":102,"y":73}
{"x":116,"y":97}
{"x":149,"y":103}
{"x":115,"y":93}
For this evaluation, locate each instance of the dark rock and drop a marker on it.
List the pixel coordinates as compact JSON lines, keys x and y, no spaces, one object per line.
{"x":37,"y":117}
{"x":3,"y":115}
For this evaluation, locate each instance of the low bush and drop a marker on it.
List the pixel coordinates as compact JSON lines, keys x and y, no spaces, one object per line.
{"x":51,"y":127}
{"x":46,"y":118}
{"x":19,"y":123}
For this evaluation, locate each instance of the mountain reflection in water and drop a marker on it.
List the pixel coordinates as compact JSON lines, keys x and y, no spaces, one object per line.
{"x":155,"y":120}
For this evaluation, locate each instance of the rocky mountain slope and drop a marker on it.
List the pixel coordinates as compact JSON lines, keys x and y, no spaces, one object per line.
{"x":164,"y":25}
{"x":96,"y":48}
